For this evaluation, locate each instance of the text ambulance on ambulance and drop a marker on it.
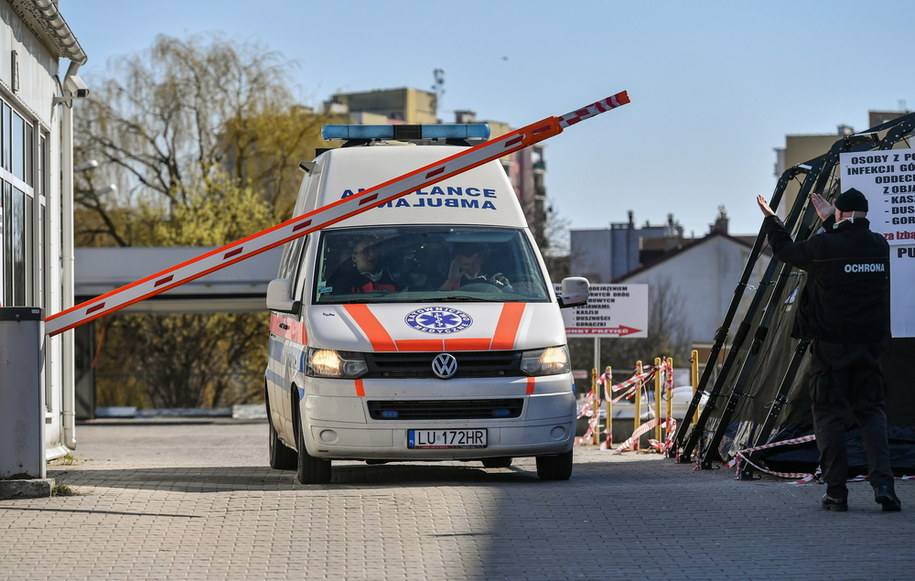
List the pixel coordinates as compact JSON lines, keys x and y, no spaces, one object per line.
{"x":424,"y":329}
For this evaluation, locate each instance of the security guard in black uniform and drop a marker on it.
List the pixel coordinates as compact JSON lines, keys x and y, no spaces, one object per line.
{"x":844,"y":309}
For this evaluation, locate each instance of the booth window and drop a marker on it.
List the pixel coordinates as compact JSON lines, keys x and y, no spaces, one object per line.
{"x":17,"y":209}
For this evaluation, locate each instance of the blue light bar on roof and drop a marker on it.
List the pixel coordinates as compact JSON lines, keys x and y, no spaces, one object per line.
{"x":407,"y":132}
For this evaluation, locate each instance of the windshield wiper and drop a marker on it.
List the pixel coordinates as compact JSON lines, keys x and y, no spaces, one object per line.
{"x":454,"y":299}
{"x":363,"y":298}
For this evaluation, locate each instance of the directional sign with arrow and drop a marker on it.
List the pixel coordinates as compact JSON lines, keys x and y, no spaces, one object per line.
{"x":613,"y":310}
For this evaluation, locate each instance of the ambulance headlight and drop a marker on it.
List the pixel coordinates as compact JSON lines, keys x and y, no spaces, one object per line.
{"x":549,"y":361}
{"x":337,"y":364}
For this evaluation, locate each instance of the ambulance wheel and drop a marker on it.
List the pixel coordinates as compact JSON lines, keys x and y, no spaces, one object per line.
{"x":311,"y":470}
{"x":500,"y":462}
{"x":555,"y":467}
{"x":282,"y":457}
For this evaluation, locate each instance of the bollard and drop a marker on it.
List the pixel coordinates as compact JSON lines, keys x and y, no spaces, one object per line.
{"x":694,"y":380}
{"x":608,"y":395}
{"x":669,"y":380}
{"x":658,"y":379}
{"x":637,"y":404}
{"x":21,"y":393}
{"x":595,"y":406}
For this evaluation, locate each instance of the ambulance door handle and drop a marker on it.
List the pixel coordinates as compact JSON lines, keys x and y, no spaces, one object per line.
{"x":284,"y":326}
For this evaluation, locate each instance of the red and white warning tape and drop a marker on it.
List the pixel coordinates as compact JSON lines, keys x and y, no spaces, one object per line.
{"x":663,"y":447}
{"x":743,"y":456}
{"x":588,"y":410}
{"x":631,"y":385}
{"x":323,"y":217}
{"x":588,"y":407}
{"x":800,"y":477}
{"x":606,"y":381}
{"x":636,"y":379}
{"x":628,"y":444}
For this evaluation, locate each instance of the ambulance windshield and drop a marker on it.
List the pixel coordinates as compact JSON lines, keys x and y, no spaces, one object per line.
{"x":427,"y":264}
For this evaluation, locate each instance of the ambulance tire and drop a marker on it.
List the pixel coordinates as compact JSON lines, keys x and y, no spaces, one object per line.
{"x":311,"y":470}
{"x":282,"y":457}
{"x":500,"y":462}
{"x":555,"y":467}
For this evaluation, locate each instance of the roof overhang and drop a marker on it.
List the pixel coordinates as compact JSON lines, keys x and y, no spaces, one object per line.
{"x":44,"y":19}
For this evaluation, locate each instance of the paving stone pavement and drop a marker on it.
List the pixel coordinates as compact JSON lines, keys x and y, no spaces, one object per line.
{"x":167,"y":499}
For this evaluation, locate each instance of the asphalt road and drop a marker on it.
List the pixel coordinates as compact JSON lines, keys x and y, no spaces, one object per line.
{"x":196,"y":500}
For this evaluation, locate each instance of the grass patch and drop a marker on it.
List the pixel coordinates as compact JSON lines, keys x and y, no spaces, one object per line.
{"x":68,"y":460}
{"x":63,"y":490}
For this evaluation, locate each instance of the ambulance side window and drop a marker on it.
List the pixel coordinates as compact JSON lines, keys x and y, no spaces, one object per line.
{"x":290,"y":257}
{"x":334,"y":255}
{"x":300,"y":273}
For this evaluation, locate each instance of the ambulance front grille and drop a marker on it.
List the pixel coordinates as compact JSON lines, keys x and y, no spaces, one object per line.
{"x":445,"y":409}
{"x":419,"y":365}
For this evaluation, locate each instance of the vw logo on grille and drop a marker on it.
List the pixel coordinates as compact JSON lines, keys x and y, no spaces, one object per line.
{"x":444,"y":366}
{"x":438,"y":320}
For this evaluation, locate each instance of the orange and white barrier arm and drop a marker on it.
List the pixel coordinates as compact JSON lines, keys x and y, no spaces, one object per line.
{"x":325,"y":216}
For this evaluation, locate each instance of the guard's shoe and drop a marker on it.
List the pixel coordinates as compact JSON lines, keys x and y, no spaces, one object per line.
{"x":836,"y":504}
{"x":886,"y":496}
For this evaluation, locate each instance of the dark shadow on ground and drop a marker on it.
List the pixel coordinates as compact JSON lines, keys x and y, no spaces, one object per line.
{"x":229,"y":478}
{"x":345,"y":475}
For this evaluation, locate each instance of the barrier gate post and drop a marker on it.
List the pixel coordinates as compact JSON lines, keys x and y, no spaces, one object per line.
{"x":21,"y":393}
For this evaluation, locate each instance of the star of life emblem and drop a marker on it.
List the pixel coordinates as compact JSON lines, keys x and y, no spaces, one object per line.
{"x":438,"y":320}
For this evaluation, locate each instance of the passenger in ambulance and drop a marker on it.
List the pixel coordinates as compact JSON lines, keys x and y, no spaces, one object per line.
{"x":467,"y":268}
{"x":364,"y":272}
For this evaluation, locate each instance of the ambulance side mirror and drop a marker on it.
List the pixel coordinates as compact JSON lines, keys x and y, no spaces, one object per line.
{"x":279,"y":297}
{"x":573,"y":292}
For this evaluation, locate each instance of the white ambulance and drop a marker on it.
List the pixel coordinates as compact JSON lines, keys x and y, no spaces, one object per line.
{"x":425,"y":329}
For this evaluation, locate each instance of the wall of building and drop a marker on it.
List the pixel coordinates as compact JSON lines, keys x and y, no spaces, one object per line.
{"x":625,"y":246}
{"x":403,"y":104}
{"x":704,"y":276}
{"x":590,"y":255}
{"x":608,"y":254}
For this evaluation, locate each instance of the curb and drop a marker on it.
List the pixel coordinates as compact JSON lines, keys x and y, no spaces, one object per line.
{"x":26,"y":488}
{"x":239,"y":411}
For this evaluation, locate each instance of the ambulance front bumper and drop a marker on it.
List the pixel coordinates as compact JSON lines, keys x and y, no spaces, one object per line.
{"x":349,"y":428}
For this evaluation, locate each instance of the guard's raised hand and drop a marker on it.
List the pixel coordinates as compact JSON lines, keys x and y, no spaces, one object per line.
{"x":823,"y":208}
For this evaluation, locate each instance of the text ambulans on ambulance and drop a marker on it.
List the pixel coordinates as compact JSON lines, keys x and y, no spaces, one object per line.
{"x":423,"y":329}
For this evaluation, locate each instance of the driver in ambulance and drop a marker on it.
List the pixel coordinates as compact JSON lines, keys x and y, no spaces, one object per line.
{"x":467,"y":267}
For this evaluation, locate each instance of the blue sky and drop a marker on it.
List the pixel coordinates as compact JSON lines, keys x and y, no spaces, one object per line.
{"x":715,"y":86}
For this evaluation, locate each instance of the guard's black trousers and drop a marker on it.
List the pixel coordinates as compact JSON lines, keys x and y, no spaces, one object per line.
{"x":848,"y":377}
